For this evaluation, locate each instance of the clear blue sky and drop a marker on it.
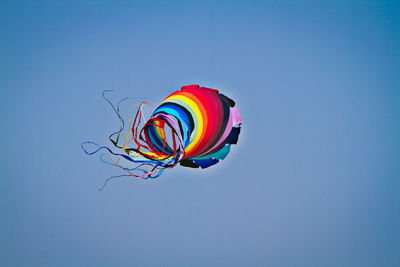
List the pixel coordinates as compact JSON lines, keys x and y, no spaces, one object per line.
{"x":314,"y":180}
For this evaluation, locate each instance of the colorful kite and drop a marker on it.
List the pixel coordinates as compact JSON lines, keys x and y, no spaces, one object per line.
{"x":194,"y":127}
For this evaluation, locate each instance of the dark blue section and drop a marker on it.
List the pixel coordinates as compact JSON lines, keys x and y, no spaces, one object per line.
{"x":233,"y":136}
{"x":205,"y":163}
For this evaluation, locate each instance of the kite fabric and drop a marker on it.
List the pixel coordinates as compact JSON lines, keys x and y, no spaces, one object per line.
{"x":194,"y":127}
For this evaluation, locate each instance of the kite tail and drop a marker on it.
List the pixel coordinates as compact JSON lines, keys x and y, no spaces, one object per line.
{"x":137,"y":148}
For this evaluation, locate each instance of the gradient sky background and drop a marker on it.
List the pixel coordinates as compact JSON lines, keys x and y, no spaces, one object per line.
{"x":313,"y":181}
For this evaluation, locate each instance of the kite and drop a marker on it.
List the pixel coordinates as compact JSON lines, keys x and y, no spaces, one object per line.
{"x":194,"y":127}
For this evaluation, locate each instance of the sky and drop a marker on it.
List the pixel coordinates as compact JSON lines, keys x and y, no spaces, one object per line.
{"x":313,"y":180}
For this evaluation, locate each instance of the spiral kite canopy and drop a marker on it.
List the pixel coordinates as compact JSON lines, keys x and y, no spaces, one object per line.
{"x":208,"y":123}
{"x":195,"y":127}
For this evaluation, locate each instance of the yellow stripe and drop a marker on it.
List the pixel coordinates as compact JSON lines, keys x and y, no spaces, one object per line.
{"x":196,"y":110}
{"x":159,"y":157}
{"x":158,"y":129}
